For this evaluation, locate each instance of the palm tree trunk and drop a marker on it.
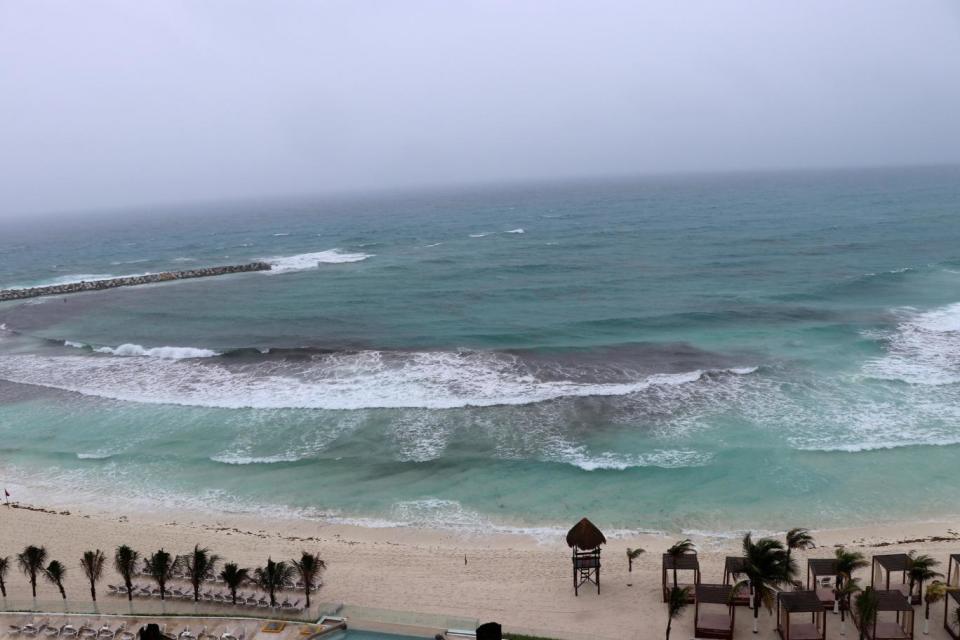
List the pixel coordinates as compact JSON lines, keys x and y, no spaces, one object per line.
{"x":93,"y":591}
{"x":233,"y":595}
{"x":756,"y":611}
{"x":926,"y":620}
{"x":33,"y":585}
{"x":669,"y":622}
{"x":675,"y":573}
{"x":128,"y":584}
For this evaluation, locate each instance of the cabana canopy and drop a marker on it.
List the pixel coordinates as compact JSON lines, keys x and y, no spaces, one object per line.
{"x":953,"y":598}
{"x":685,"y":562}
{"x":818,"y":568}
{"x":585,"y":535}
{"x":795,"y":604}
{"x":901,"y":627}
{"x":884,"y":566}
{"x":953,"y":570}
{"x":732,"y":568}
{"x":713,"y":624}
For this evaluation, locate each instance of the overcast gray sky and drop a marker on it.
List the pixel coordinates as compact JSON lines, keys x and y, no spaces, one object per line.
{"x":108,"y":103}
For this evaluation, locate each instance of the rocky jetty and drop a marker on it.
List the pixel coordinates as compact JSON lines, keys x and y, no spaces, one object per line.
{"x":129,"y":281}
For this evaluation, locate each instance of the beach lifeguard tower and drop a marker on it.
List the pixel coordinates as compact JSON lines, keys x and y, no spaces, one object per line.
{"x":585,"y":540}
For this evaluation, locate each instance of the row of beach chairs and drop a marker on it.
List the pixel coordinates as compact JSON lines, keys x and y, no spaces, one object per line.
{"x":86,"y":631}
{"x":222,"y":596}
{"x":290,"y":585}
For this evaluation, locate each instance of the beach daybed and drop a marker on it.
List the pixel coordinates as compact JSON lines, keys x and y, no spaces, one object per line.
{"x":822,"y":579}
{"x":688,"y":562}
{"x":950,"y":605}
{"x":894,"y":619}
{"x":732,"y":569}
{"x":801,"y":616}
{"x":714,"y":612}
{"x":882,"y":575}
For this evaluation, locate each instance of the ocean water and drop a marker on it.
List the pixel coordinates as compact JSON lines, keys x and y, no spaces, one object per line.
{"x":703,"y":353}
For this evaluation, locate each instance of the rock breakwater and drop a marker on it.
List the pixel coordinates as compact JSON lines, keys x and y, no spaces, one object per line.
{"x":129,"y":281}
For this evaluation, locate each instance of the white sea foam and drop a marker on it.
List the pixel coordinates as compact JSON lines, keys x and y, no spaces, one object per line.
{"x":302,"y":261}
{"x":280,"y":235}
{"x":479,"y":235}
{"x":68,"y":279}
{"x":515,"y":231}
{"x":169,"y":353}
{"x":120,"y":262}
{"x":97,"y":455}
{"x":244,"y":460}
{"x":924,"y":349}
{"x":578,"y":456}
{"x":75,"y":345}
{"x":343,"y":381}
{"x":435,"y":244}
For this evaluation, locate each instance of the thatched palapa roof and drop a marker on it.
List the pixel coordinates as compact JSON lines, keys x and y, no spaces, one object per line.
{"x":585,"y":535}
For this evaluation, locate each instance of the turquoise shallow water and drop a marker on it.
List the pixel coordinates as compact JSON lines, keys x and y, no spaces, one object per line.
{"x":701,"y":353}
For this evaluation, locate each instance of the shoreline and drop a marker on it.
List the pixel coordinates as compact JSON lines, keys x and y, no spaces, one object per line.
{"x":514,"y":579}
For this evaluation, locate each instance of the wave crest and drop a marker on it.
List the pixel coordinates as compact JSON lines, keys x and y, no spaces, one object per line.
{"x":135,"y":350}
{"x":335,"y":381}
{"x":303,"y":261}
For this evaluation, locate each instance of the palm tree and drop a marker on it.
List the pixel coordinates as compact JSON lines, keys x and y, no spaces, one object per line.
{"x":55,"y":573}
{"x":842,"y":598}
{"x":847,"y":563}
{"x":31,"y":561}
{"x":798,"y":539}
{"x":309,"y":567}
{"x":676,"y":604}
{"x":200,"y":564}
{"x":4,"y":568}
{"x":767,"y":567}
{"x":866,"y":605}
{"x":271,"y":577}
{"x":160,"y":566}
{"x":921,"y":570}
{"x":633,"y":554}
{"x":92,"y":564}
{"x":936,"y":591}
{"x":233,"y":576}
{"x":125,"y":562}
{"x":677,"y":550}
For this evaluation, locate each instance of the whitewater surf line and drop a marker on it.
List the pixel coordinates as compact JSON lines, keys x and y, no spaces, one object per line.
{"x":129,"y":281}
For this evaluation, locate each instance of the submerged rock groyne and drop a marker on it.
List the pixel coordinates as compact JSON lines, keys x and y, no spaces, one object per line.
{"x":128,"y":281}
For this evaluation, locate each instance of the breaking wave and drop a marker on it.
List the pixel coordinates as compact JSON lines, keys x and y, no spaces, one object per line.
{"x":302,"y":261}
{"x":924,"y":349}
{"x":337,"y":381}
{"x":135,"y":350}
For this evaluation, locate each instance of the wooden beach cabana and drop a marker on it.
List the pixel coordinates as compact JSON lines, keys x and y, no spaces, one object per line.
{"x":585,"y":540}
{"x":732,"y":570}
{"x":688,"y":563}
{"x":953,"y":570}
{"x":801,"y":616}
{"x":883,"y":575}
{"x":894,"y":620}
{"x":951,"y":603}
{"x":822,"y":579}
{"x":714,"y":612}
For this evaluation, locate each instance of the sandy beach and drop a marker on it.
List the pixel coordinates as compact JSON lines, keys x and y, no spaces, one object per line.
{"x":523,"y":583}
